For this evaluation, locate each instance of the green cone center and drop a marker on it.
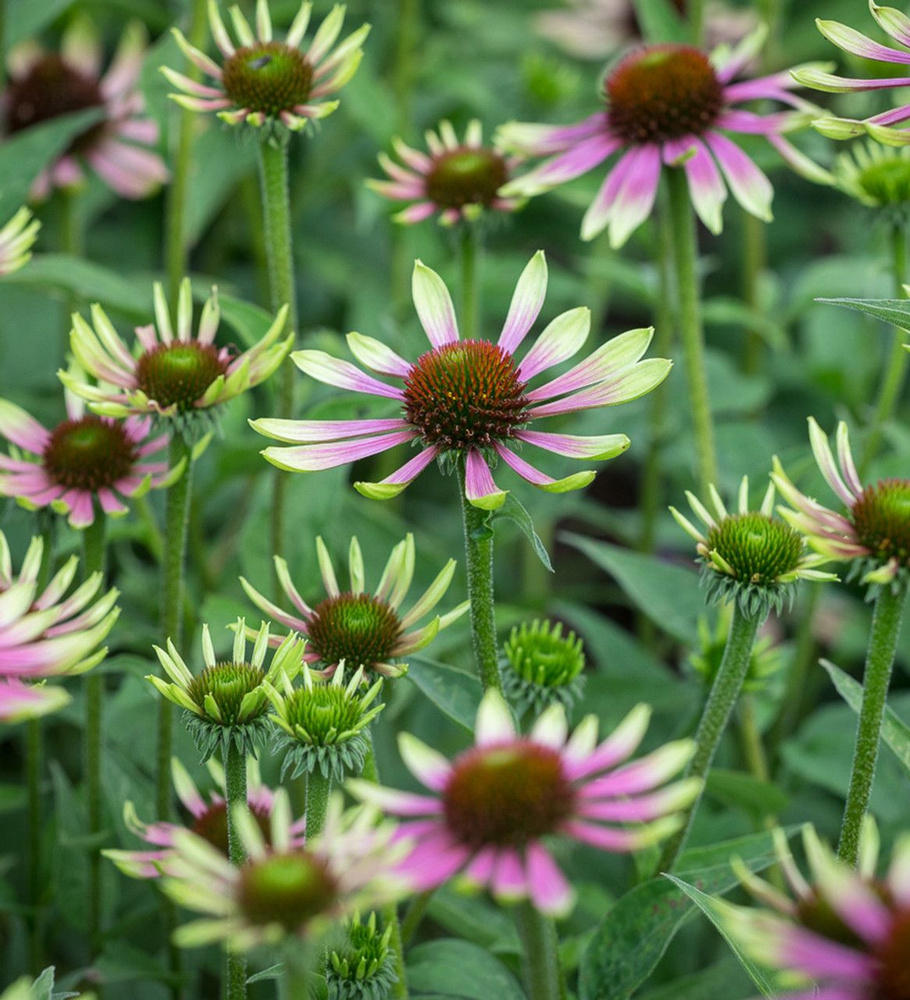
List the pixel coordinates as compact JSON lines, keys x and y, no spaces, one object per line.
{"x":178,"y":374}
{"x":324,"y":713}
{"x":542,"y":655}
{"x":887,"y":182}
{"x":228,"y":684}
{"x":288,"y":889}
{"x":881,"y":517}
{"x":269,"y":77}
{"x":758,"y":549}
{"x":89,"y":454}
{"x":357,"y":628}
{"x":466,"y":176}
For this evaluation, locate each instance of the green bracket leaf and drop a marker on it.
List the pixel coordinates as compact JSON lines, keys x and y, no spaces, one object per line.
{"x":515,"y":511}
{"x":893,"y":311}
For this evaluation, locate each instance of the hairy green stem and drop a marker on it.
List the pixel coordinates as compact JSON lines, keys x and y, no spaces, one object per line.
{"x":34,"y":759}
{"x":725,"y":691}
{"x":318,"y":788}
{"x":695,"y":10}
{"x":470,"y":297}
{"x":236,"y":796}
{"x":682,"y":227}
{"x":478,"y":543}
{"x":540,"y":959}
{"x":804,"y":657}
{"x":755,"y":259}
{"x":886,"y":629}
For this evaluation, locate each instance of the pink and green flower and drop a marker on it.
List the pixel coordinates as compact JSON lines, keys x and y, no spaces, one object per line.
{"x":491,"y":808}
{"x":471,"y":400}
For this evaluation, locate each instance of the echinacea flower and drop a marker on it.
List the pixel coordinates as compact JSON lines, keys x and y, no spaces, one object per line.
{"x":175,"y":375}
{"x":85,"y":460}
{"x":283,"y":891}
{"x":874,"y":530}
{"x":266,"y":82}
{"x":845,"y":935}
{"x":494,"y":803}
{"x":45,"y":634}
{"x":17,"y":238}
{"x":877,"y":177}
{"x":208,"y":820}
{"x":541,"y":666}
{"x":667,"y":106}
{"x":43,"y":85}
{"x":749,"y":556}
{"x":227,"y":702}
{"x":880,"y":126}
{"x":457,"y":179}
{"x":471,"y":400}
{"x":354,"y":626}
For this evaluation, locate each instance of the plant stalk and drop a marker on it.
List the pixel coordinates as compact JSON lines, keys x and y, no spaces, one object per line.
{"x":34,"y":760}
{"x":318,"y":788}
{"x":470,"y":301}
{"x":540,"y":960}
{"x":236,"y":793}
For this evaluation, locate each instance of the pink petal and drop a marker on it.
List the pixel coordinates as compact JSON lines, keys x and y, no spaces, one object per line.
{"x":316,"y":457}
{"x":550,"y":891}
{"x":479,"y":486}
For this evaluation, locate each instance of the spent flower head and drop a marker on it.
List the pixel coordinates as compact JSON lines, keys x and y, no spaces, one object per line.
{"x":492,"y":806}
{"x":207,"y":818}
{"x":472,"y":400}
{"x":363,"y":967}
{"x":44,"y":85}
{"x":174,"y":375}
{"x":749,"y":556}
{"x":355,"y":626}
{"x":262,"y":81}
{"x":324,"y":723}
{"x":541,"y":667}
{"x":283,"y":891}
{"x":873,"y":532}
{"x":228,"y":701}
{"x":458,"y":179}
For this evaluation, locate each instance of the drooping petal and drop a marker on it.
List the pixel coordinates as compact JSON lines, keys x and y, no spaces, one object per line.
{"x":480,"y":489}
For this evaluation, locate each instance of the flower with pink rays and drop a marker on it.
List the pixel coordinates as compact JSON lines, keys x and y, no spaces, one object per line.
{"x":208,"y":820}
{"x":266,"y":82}
{"x":43,"y":85}
{"x":354,"y":626}
{"x":174,"y":375}
{"x":495,"y":802}
{"x":19,"y":702}
{"x":845,"y":935}
{"x":456,"y":179}
{"x":874,"y":530}
{"x":881,"y":126}
{"x":667,"y":106}
{"x":471,"y":400}
{"x":283,"y":891}
{"x":17,"y":238}
{"x":83,"y":464}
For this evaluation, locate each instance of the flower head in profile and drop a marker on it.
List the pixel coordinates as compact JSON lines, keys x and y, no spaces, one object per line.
{"x":262,"y":81}
{"x":85,"y":463}
{"x":43,"y":85}
{"x":472,"y":400}
{"x":878,"y":177}
{"x":749,"y":556}
{"x":207,"y":819}
{"x":175,"y":375}
{"x":492,"y":806}
{"x":44,"y":633}
{"x":873,"y":532}
{"x":17,"y":238}
{"x":227,"y":703}
{"x":355,"y":626}
{"x":843,"y":934}
{"x":283,"y":891}
{"x":667,"y":106}
{"x":541,"y":666}
{"x":880,"y":126}
{"x":456,"y":179}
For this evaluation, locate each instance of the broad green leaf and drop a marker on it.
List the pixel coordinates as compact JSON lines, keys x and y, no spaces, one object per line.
{"x":660,"y":21}
{"x":26,"y":18}
{"x":515,"y":511}
{"x":634,"y":935}
{"x":250,"y":322}
{"x":713,"y":910}
{"x":895,"y":732}
{"x":724,"y":311}
{"x":454,"y":692}
{"x":743,"y":791}
{"x":668,"y":594}
{"x":272,"y":972}
{"x":893,"y":311}
{"x":724,"y":979}
{"x":456,"y":969}
{"x":472,"y":918}
{"x":220,"y":161}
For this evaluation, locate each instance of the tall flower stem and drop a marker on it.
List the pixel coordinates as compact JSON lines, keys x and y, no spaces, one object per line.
{"x":754,"y":262}
{"x":478,"y":544}
{"x":276,"y":210}
{"x":895,"y":369}
{"x":176,"y":251}
{"x":682,"y":227}
{"x":470,"y":305}
{"x":34,"y":759}
{"x":886,"y":629}
{"x":93,"y":562}
{"x":236,"y":794}
{"x":695,"y":10}
{"x":318,"y":787}
{"x":725,"y":691}
{"x":297,"y":983}
{"x":540,"y":959}
{"x":177,"y":517}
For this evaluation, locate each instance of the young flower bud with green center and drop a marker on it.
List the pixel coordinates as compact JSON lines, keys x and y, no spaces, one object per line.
{"x":324,"y":723}
{"x":766,"y":660}
{"x":542,"y":667}
{"x":878,"y":177}
{"x":363,"y":968}
{"x":227,"y":703}
{"x":749,"y":557}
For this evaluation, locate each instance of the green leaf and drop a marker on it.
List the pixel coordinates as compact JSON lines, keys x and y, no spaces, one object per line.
{"x":659,"y":20}
{"x":634,"y":935}
{"x":725,"y":311}
{"x":25,"y":18}
{"x":454,"y":692}
{"x":669,"y":595}
{"x":450,"y":968}
{"x":12,"y":798}
{"x":723,"y":979}
{"x":713,"y":910}
{"x":24,"y":155}
{"x":743,"y":791}
{"x":250,"y":322}
{"x":893,"y":311}
{"x":220,"y":160}
{"x":513,"y":509}
{"x":472,"y":918}
{"x":272,"y":972}
{"x":895,"y":732}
